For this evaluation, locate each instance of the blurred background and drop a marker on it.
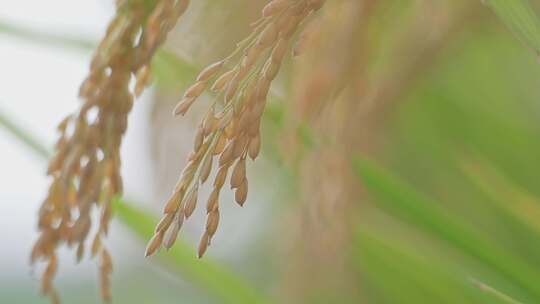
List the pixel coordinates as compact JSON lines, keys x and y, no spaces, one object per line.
{"x":419,"y":184}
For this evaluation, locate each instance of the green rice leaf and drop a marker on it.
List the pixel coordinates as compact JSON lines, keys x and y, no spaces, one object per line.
{"x":182,"y":259}
{"x":402,"y":201}
{"x":519,"y":16}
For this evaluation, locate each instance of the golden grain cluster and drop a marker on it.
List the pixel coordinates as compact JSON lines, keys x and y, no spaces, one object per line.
{"x":230,"y":130}
{"x":85,"y":169}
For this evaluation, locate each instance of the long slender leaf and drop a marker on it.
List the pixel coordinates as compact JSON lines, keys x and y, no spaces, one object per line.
{"x":182,"y":258}
{"x":494,"y":292}
{"x":45,"y":38}
{"x":399,"y":272}
{"x":524,"y":207}
{"x":169,"y":69}
{"x":519,"y":16}
{"x":407,"y":204}
{"x":24,"y":136}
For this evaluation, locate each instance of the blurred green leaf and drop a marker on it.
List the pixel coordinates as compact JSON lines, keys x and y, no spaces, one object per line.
{"x":524,"y":207}
{"x":401,"y":275}
{"x":519,"y":16}
{"x":24,"y":136}
{"x":169,"y":69}
{"x":45,"y":38}
{"x":182,"y":259}
{"x":494,"y":292}
{"x":402,"y":201}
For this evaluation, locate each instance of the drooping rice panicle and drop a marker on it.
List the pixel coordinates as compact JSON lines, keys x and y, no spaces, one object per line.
{"x":85,"y":169}
{"x":230,"y":131}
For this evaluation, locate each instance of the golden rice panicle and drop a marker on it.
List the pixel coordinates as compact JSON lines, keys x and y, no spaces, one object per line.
{"x":230,"y":131}
{"x":85,"y":169}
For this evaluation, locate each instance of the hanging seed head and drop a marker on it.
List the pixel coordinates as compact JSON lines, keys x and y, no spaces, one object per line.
{"x":50,"y":271}
{"x":254,"y":146}
{"x":209,"y":123}
{"x":239,"y":173}
{"x":85,"y":169}
{"x":274,"y":7}
{"x":154,"y":244}
{"x":221,"y":176}
{"x":80,"y":252}
{"x":189,"y":171}
{"x":191,"y":201}
{"x":315,"y":4}
{"x":206,"y":168}
{"x":262,"y":89}
{"x":268,"y":36}
{"x":254,"y":128}
{"x":183,"y":106}
{"x":165,"y":222}
{"x":174,"y":202}
{"x":279,"y":51}
{"x":96,"y":245}
{"x":142,"y":79}
{"x":220,"y":83}
{"x":212,"y":222}
{"x":299,"y":8}
{"x":220,"y":145}
{"x":172,"y":232}
{"x":231,"y":129}
{"x":210,"y":71}
{"x":224,"y":120}
{"x":199,"y":137}
{"x":251,"y":57}
{"x":213,"y":199}
{"x":239,"y":146}
{"x":105,"y":269}
{"x":105,"y":263}
{"x":245,"y":118}
{"x":270,"y":70}
{"x":241,"y":193}
{"x":232,"y":87}
{"x":227,"y":154}
{"x":203,"y":244}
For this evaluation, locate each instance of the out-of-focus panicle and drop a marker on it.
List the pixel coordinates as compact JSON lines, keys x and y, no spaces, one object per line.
{"x":230,"y":131}
{"x":325,"y":99}
{"x":85,"y":169}
{"x":340,"y":96}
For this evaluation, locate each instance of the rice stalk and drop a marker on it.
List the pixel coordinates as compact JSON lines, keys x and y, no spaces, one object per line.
{"x":85,"y":169}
